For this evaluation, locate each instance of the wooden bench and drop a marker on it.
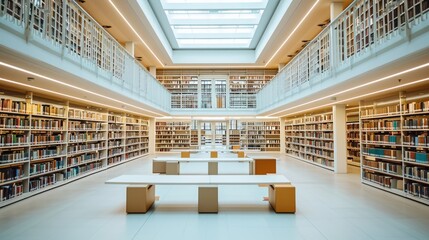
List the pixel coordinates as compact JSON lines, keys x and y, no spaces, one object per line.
{"x":171,"y":165}
{"x":281,"y":192}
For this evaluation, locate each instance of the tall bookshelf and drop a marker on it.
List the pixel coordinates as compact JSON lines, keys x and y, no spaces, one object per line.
{"x":310,"y":138}
{"x":172,"y":135}
{"x":116,"y":138}
{"x":144,"y":133}
{"x":86,"y":149}
{"x":395,"y":145}
{"x":183,"y":89}
{"x":260,"y":135}
{"x":45,"y":143}
{"x":133,"y":137}
{"x":234,"y":133}
{"x":353,"y":137}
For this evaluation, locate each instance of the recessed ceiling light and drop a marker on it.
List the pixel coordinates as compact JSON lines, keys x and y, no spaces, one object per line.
{"x":30,"y":79}
{"x":107,"y":26}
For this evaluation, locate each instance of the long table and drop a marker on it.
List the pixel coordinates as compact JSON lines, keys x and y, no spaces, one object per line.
{"x":141,"y":192}
{"x":171,"y":165}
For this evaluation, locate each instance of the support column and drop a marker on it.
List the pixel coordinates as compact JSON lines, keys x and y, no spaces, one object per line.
{"x":152,"y":135}
{"x":340,"y":138}
{"x":336,"y":9}
{"x":152,"y":71}
{"x":282,"y":136}
{"x":129,"y":46}
{"x":281,"y":66}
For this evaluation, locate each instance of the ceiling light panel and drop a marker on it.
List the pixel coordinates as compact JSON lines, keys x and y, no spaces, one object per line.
{"x":218,"y":24}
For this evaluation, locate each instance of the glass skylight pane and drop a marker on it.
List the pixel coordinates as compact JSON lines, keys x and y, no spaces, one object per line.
{"x":228,"y":41}
{"x":220,"y":29}
{"x":241,"y":14}
{"x":215,"y":1}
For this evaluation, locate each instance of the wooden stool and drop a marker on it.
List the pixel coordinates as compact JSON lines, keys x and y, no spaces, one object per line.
{"x":185,"y":154}
{"x":208,"y":199}
{"x":240,"y":154}
{"x":140,"y":198}
{"x":213,"y":154}
{"x":282,"y":198}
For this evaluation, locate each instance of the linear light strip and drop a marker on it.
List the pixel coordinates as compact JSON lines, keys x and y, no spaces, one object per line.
{"x":361,"y":96}
{"x":293,"y":31}
{"x":68,"y":96}
{"x":356,"y":87}
{"x":135,"y":32}
{"x":72,"y":86}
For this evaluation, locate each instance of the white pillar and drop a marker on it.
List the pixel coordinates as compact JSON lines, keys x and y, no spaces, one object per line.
{"x":281,"y":66}
{"x":336,"y":9}
{"x":129,"y":46}
{"x":340,"y":138}
{"x":282,"y":136}
{"x":152,"y":135}
{"x":152,"y":71}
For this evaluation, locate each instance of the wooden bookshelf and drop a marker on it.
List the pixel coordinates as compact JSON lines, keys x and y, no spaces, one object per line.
{"x":172,"y":135}
{"x":45,"y":143}
{"x":144,"y":146}
{"x":260,"y":135}
{"x":395,"y":145}
{"x":310,"y":138}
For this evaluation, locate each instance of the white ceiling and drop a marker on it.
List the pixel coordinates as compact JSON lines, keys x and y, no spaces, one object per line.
{"x":153,"y":43}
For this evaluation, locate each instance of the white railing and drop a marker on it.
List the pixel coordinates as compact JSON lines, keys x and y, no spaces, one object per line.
{"x":65,"y":27}
{"x":364,"y":26}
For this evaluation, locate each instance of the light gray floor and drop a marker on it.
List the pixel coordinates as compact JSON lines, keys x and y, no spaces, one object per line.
{"x":329,"y":206}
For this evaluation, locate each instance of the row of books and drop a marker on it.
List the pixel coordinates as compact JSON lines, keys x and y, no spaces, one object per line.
{"x":114,"y":159}
{"x":86,"y":115}
{"x":115,"y":127}
{"x":11,"y":173}
{"x":320,"y":126}
{"x":416,"y":107}
{"x":383,"y":180}
{"x":419,"y":157}
{"x":385,"y":153}
{"x":319,"y":118}
{"x":184,"y":124}
{"x":384,"y":166}
{"x":132,"y":127}
{"x":133,"y":134}
{"x":352,"y":126}
{"x":353,"y":144}
{"x":11,"y":191}
{"x":86,"y":126}
{"x":87,"y":157}
{"x":113,"y":118}
{"x":320,"y":152}
{"x":319,"y":160}
{"x":13,"y":139}
{"x":132,"y":141}
{"x":115,"y":143}
{"x":381,"y":125}
{"x":324,"y":144}
{"x":115,"y":135}
{"x":14,"y":122}
{"x":385,"y":110}
{"x":420,"y":173}
{"x":86,"y":147}
{"x":43,"y":138}
{"x":416,"y":123}
{"x":87,"y":136}
{"x":354,"y":135}
{"x":382,"y":138}
{"x":132,"y":147}
{"x":47,"y":124}
{"x":9,"y":156}
{"x":416,"y":140}
{"x":417,"y":190}
{"x":114,"y":151}
{"x":46,"y":152}
{"x":78,"y":170}
{"x":321,"y":135}
{"x":44,"y":181}
{"x":37,"y":168}
{"x":47,"y":109}
{"x":9,"y":105}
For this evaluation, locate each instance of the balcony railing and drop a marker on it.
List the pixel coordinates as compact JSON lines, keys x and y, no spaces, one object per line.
{"x":64,"y":27}
{"x":364,"y":26}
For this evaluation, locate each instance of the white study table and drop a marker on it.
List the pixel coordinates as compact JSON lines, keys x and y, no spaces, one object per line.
{"x":171,"y":165}
{"x":141,"y":189}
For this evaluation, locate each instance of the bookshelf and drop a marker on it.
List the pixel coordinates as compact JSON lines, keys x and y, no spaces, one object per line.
{"x":234,"y":133}
{"x":310,"y":138}
{"x":144,"y":140}
{"x":45,"y":143}
{"x":133,"y":136}
{"x":183,"y":89}
{"x":172,"y":135}
{"x":260,"y":135}
{"x":353,"y":137}
{"x":116,"y":138}
{"x":395,"y":145}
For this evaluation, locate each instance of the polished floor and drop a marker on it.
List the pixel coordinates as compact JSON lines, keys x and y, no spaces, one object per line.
{"x":329,"y":206}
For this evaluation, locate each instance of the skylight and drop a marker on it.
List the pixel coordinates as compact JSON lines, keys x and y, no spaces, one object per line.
{"x":210,"y":24}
